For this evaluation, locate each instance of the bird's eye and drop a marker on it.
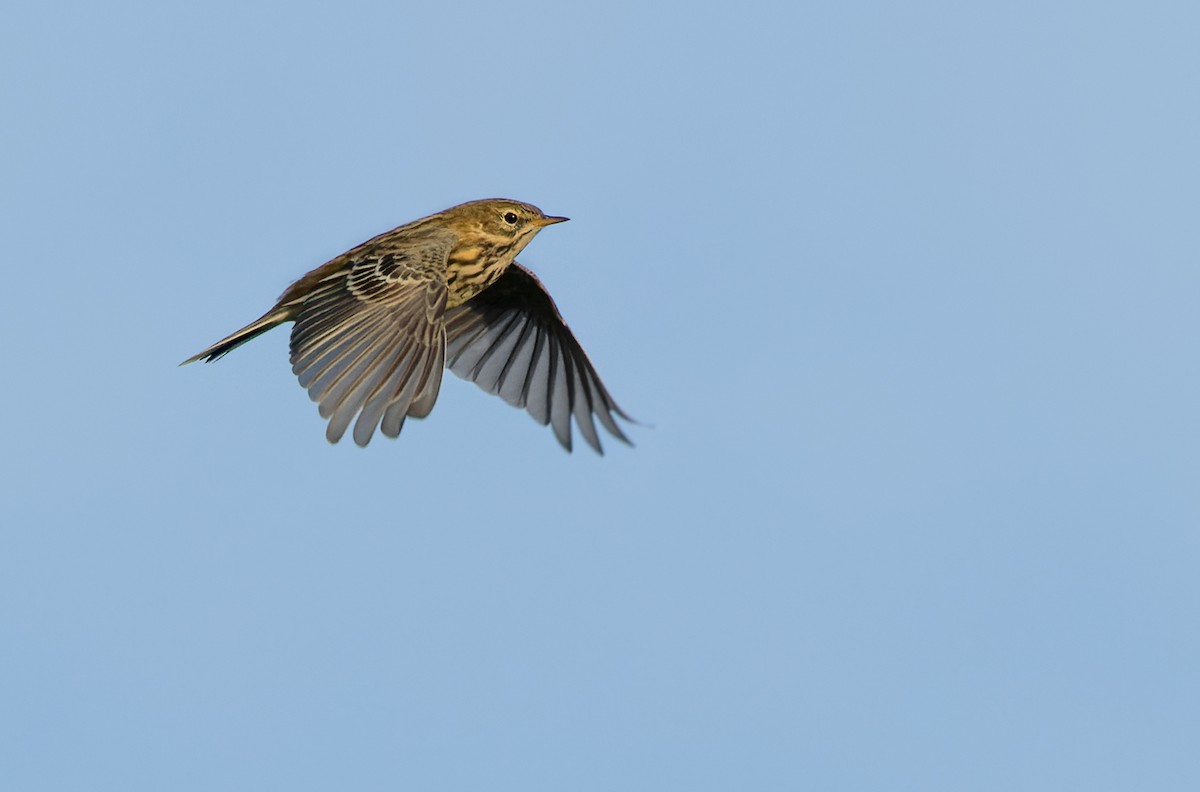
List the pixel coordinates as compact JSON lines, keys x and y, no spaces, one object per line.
{"x":510,"y":218}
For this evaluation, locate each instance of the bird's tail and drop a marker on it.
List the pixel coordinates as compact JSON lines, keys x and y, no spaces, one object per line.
{"x":256,"y":328}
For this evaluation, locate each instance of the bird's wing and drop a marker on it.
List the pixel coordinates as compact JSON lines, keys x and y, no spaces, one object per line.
{"x":511,"y":340}
{"x":370,"y":340}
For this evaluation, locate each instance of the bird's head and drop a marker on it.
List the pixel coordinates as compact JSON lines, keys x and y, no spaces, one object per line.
{"x":499,"y":222}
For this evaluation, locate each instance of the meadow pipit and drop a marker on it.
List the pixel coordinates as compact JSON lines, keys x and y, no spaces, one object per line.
{"x":375,"y":326}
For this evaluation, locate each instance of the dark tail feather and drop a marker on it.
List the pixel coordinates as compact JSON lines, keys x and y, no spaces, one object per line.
{"x":252,"y":330}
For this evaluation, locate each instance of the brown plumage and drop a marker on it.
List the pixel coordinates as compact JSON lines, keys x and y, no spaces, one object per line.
{"x":375,"y":326}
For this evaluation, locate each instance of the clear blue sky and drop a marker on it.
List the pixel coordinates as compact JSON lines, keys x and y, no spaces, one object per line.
{"x":907,"y":290}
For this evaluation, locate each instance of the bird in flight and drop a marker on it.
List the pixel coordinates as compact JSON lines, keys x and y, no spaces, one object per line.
{"x":375,"y":326}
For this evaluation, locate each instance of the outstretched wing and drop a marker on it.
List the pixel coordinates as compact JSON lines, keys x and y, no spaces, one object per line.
{"x":511,"y":340}
{"x":370,"y":341}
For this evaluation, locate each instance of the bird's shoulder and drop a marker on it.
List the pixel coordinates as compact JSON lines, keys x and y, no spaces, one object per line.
{"x":417,"y":251}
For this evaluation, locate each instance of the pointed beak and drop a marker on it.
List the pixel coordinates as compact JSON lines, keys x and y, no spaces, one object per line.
{"x":545,"y":221}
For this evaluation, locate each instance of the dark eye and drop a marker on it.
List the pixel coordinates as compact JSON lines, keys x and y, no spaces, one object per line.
{"x":510,"y":218}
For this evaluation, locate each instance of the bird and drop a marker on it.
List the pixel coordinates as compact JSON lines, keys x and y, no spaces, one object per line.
{"x":375,"y":327}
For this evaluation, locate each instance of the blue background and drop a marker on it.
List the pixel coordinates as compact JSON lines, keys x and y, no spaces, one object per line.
{"x":907,"y":292}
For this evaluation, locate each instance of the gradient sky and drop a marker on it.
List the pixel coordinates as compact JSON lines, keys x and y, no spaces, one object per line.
{"x":904,"y":292}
